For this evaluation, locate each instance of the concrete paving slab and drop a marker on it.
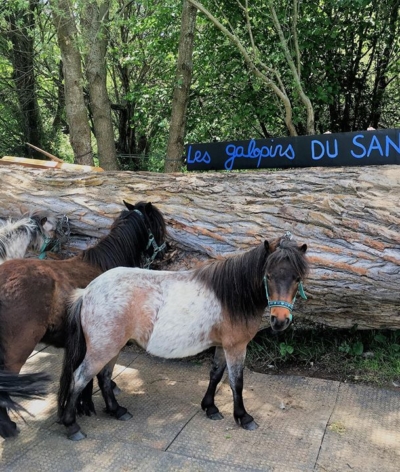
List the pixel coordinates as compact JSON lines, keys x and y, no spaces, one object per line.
{"x":304,"y":424}
{"x":292,"y":414}
{"x":363,"y":433}
{"x":57,"y":455}
{"x":162,"y":397}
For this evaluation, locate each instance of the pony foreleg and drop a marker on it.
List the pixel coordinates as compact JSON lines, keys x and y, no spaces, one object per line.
{"x":107,"y":389}
{"x":85,"y":405}
{"x":235,"y":362}
{"x":216,"y":373}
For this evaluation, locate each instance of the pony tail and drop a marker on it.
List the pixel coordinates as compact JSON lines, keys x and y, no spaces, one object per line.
{"x":75,"y":351}
{"x":21,"y":385}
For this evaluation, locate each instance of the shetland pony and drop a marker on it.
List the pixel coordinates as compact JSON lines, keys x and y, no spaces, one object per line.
{"x":179,"y":314}
{"x":34,"y":293}
{"x":36,"y":232}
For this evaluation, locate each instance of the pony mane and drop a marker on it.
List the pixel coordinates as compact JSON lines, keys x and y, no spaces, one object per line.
{"x":237,"y":282}
{"x":128,"y":238}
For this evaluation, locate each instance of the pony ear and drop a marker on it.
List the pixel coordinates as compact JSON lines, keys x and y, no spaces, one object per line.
{"x":148,"y":208}
{"x":303,"y":248}
{"x":266,"y":246}
{"x":129,"y":205}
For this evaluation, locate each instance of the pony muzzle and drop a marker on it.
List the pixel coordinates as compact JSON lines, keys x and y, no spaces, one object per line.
{"x":280,"y":318}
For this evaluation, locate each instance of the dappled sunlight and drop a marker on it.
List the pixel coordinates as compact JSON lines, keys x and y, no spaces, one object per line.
{"x":386,"y":438}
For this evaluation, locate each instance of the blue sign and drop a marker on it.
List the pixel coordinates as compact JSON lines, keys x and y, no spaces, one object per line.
{"x":362,"y":148}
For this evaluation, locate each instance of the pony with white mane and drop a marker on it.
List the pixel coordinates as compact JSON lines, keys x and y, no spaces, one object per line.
{"x":35,"y":232}
{"x":179,"y":314}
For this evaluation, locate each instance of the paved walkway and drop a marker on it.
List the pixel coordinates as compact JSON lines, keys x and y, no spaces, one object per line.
{"x":305,"y":424}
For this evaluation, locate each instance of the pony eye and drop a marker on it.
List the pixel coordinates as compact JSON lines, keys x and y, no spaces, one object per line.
{"x":268,"y":277}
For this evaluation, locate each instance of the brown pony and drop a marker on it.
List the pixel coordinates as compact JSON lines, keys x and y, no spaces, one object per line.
{"x":34,"y":293}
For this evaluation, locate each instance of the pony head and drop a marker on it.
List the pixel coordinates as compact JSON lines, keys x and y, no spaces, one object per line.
{"x":285,"y":269}
{"x":46,"y":223}
{"x":155,"y":224}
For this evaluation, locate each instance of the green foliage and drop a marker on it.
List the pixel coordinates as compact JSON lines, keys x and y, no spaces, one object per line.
{"x":367,"y":356}
{"x":349,"y":69}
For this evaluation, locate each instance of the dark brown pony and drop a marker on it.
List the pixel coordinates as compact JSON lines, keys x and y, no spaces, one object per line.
{"x":34,"y":293}
{"x":179,"y":314}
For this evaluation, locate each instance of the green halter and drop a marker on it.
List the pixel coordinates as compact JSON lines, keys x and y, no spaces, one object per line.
{"x":289,"y":306}
{"x":54,"y":244}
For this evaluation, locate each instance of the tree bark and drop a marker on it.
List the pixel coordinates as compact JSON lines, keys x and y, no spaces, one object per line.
{"x":349,"y":218}
{"x":79,"y":130}
{"x":180,"y":100}
{"x":94,"y":20}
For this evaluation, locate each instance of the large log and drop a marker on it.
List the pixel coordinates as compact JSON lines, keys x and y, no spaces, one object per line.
{"x":349,"y":217}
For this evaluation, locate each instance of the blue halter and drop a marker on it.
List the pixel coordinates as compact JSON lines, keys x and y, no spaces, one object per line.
{"x":152,"y":242}
{"x":289,"y":306}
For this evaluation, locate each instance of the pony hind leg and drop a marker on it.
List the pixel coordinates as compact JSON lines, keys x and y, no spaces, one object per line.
{"x":216,"y":373}
{"x":235,"y":361}
{"x":8,"y":428}
{"x":107,"y":389}
{"x":81,"y":378}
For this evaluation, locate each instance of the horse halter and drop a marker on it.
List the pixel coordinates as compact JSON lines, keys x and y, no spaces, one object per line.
{"x":289,"y":306}
{"x":55,"y":243}
{"x":152,"y":242}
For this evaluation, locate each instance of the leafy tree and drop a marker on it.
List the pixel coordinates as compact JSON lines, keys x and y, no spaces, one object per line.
{"x":142,"y":58}
{"x":18,"y":44}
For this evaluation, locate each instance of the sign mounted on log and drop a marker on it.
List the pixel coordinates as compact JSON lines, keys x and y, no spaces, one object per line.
{"x":360,"y":148}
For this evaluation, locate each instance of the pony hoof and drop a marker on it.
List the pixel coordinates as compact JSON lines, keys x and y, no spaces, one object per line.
{"x":250,"y":426}
{"x":216,"y":416}
{"x":125,"y":417}
{"x":77,"y":436}
{"x":9,"y":432}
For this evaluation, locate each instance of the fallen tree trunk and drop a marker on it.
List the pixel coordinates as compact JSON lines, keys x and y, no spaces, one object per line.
{"x":349,"y":217}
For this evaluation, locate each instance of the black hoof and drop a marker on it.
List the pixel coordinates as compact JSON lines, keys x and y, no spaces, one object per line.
{"x":247,"y":422}
{"x":215,"y":416}
{"x":9,"y":430}
{"x":125,"y":417}
{"x":79,"y":435}
{"x":250,"y":426}
{"x":121,"y":414}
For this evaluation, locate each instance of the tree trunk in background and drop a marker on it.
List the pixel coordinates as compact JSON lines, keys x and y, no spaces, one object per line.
{"x":349,"y":218}
{"x":21,"y":36}
{"x":180,"y":100}
{"x":94,"y":20}
{"x":77,"y":118}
